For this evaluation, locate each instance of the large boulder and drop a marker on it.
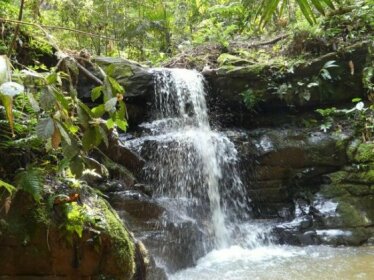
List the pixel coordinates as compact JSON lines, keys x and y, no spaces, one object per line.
{"x":340,"y":211}
{"x":41,"y":240}
{"x":175,"y":239}
{"x":277,"y":163}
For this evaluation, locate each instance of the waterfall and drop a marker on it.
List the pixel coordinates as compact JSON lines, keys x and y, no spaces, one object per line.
{"x":191,"y":166}
{"x":205,"y":228}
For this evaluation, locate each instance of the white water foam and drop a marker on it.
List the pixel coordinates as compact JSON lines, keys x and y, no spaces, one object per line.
{"x":189,"y":160}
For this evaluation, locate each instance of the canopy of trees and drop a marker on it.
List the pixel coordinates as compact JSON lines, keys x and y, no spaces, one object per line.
{"x":152,"y":30}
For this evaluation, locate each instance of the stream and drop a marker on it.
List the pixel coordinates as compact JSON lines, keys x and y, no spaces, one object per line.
{"x":193,"y":170}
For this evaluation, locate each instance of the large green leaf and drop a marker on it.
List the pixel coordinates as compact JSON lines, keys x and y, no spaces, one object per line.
{"x":122,"y":124}
{"x":47,"y":99}
{"x":110,"y":105}
{"x":98,"y":111}
{"x":107,"y":89}
{"x":91,"y":138}
{"x":269,"y":7}
{"x":306,"y":9}
{"x":45,"y":128}
{"x":318,"y":5}
{"x":116,"y":86}
{"x":96,"y":92}
{"x":77,"y":166}
{"x":64,"y":133}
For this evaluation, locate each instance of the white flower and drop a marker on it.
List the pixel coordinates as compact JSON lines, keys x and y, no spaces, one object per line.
{"x":11,"y":88}
{"x":360,"y":106}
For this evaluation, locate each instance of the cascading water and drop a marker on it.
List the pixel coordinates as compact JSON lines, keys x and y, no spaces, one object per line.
{"x":184,"y":99}
{"x":192,"y":166}
{"x":192,"y":170}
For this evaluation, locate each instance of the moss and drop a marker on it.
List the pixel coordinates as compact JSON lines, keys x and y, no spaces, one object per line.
{"x":342,"y":143}
{"x":122,"y":245}
{"x":352,"y":148}
{"x":228,"y":59}
{"x":333,"y":191}
{"x":365,"y":153}
{"x":42,"y":215}
{"x":248,"y":70}
{"x":366,"y":177}
{"x":337,"y":177}
{"x":346,"y":190}
{"x":357,"y":190}
{"x":350,"y":215}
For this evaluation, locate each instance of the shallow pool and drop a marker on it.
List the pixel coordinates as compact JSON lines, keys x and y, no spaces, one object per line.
{"x":283,"y":262}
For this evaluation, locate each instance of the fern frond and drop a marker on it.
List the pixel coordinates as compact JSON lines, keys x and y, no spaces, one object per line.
{"x":10,"y":189}
{"x":31,"y":181}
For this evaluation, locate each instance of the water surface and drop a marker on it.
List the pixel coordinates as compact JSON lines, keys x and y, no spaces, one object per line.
{"x":283,"y":262}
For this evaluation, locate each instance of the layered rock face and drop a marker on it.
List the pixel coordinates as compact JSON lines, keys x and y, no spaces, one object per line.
{"x":276,"y":90}
{"x":321,"y":184}
{"x":36,"y":243}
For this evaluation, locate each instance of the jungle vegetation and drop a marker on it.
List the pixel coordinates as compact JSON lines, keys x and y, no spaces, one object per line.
{"x":45,"y":130}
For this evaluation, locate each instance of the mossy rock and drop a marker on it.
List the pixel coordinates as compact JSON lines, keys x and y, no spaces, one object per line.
{"x":364,"y":153}
{"x":334,"y":190}
{"x":337,"y":177}
{"x":229,"y":59}
{"x":37,"y":236}
{"x":365,"y":177}
{"x":351,"y":216}
{"x":249,"y":71}
{"x":352,"y":148}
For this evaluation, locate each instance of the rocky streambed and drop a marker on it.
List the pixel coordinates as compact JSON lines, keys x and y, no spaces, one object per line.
{"x":303,"y":186}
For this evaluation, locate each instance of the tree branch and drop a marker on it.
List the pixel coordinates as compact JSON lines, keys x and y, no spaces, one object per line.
{"x":16,"y":31}
{"x":57,"y":28}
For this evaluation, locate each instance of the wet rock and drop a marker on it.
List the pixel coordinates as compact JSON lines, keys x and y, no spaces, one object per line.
{"x":337,"y":237}
{"x":120,"y":154}
{"x":341,"y":213}
{"x":136,"y":204}
{"x":279,"y":163}
{"x":177,"y":240}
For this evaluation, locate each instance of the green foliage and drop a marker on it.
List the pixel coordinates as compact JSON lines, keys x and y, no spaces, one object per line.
{"x":30,"y":181}
{"x":76,"y":218}
{"x":368,"y":78}
{"x":354,"y":22}
{"x":324,"y":72}
{"x":66,"y":122}
{"x":8,"y":187}
{"x":269,"y":7}
{"x":250,"y":99}
{"x":360,"y":116}
{"x":154,"y":30}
